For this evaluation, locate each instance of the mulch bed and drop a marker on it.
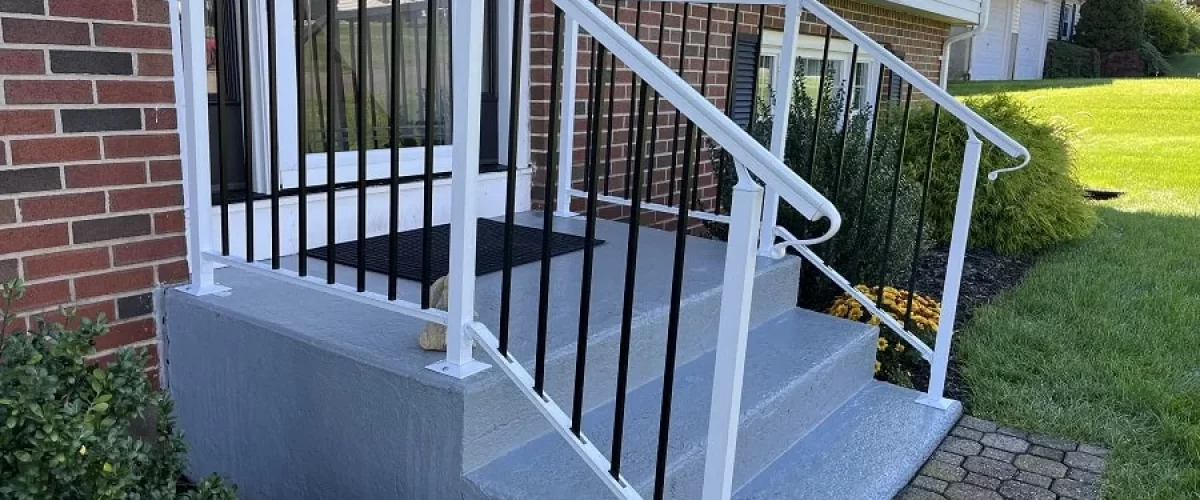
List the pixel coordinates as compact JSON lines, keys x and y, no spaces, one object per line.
{"x":985,"y":275}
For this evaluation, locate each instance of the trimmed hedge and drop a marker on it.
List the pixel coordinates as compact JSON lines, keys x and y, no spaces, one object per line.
{"x":1123,"y":64}
{"x":1166,"y":26}
{"x":1111,"y":25}
{"x":1026,"y":211}
{"x":1067,"y":60}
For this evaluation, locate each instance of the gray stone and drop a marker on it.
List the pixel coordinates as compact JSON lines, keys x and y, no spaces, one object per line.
{"x":1093,"y":450}
{"x":918,"y":494}
{"x":943,"y":471}
{"x":1052,"y":442}
{"x":1034,"y":479}
{"x":1000,"y":455}
{"x":1084,"y":476}
{"x":989,"y":467}
{"x":1005,"y":442}
{"x":977,"y":424}
{"x":982,"y":481}
{"x":960,"y":446}
{"x":1013,"y":490}
{"x":1045,"y":452}
{"x":1012,"y":432}
{"x":963,"y":491}
{"x":1041,"y":466}
{"x":929,"y":483}
{"x":1075,"y":490}
{"x":950,"y":458}
{"x":966,"y":433}
{"x":1090,"y":463}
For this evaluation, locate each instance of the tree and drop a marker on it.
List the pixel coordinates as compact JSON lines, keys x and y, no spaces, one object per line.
{"x":1111,"y":25}
{"x":1167,"y":26}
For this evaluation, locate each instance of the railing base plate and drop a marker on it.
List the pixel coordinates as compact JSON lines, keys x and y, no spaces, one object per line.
{"x":459,"y":371}
{"x":939,"y":403}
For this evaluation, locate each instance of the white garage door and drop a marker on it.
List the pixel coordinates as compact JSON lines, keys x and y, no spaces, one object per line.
{"x":1031,"y":41}
{"x":989,"y":49}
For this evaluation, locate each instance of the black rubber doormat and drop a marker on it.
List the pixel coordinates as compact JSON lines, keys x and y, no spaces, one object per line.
{"x":527,"y":247}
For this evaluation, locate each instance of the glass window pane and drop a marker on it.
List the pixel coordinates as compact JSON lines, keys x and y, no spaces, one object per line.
{"x":342,"y":98}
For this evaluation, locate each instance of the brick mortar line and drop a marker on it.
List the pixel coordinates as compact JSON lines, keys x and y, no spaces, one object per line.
{"x":86,"y":190}
{"x":88,"y":20}
{"x":93,"y":133}
{"x":89,"y":162}
{"x":112,"y":268}
{"x":107,"y":49}
{"x":87,"y":77}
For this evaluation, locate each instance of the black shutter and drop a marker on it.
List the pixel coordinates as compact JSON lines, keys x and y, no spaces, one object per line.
{"x":745,"y":78}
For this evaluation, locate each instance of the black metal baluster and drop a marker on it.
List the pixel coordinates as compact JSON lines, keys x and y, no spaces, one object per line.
{"x":817,"y":115}
{"x":331,"y":135}
{"x":633,"y":161}
{"x":926,"y":185}
{"x":589,"y":232}
{"x":687,"y":9}
{"x":427,"y":179}
{"x":631,"y":259}
{"x":856,"y":258}
{"x":704,"y":92}
{"x":662,"y":24}
{"x":248,"y":130}
{"x":664,"y":421}
{"x":891,"y":222}
{"x":222,"y":180}
{"x":302,"y":150}
{"x":543,"y":321}
{"x":510,"y":185}
{"x":273,"y":132}
{"x":393,"y":127}
{"x":360,"y":112}
{"x":845,"y":138}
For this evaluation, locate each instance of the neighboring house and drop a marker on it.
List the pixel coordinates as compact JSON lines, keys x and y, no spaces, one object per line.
{"x":147,"y":143}
{"x":1012,"y":45}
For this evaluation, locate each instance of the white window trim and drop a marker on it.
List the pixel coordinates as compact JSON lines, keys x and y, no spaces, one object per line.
{"x":412,"y":159}
{"x":812,"y":47}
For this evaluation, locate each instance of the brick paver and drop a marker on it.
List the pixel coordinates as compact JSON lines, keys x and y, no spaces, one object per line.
{"x":981,"y":460}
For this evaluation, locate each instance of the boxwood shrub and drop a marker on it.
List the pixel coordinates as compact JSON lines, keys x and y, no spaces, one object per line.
{"x":1067,"y":60}
{"x":1026,"y":211}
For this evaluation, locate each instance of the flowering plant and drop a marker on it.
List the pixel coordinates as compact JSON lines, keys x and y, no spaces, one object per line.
{"x":895,"y":359}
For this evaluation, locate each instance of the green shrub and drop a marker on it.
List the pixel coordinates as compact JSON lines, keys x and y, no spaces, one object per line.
{"x":1067,"y":60}
{"x":65,"y":430}
{"x":860,"y":184}
{"x":1025,"y":211}
{"x":1166,"y":26}
{"x":1153,"y":62}
{"x":1192,"y":16}
{"x":1111,"y":25}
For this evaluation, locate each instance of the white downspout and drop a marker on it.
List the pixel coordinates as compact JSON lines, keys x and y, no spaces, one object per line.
{"x":985,"y":8}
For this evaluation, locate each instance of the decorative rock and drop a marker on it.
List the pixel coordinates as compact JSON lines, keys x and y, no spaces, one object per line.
{"x":977,"y":424}
{"x":982,"y":481}
{"x":1005,"y":442}
{"x":1000,"y":455}
{"x":963,"y":491}
{"x":1093,"y":450}
{"x":966,"y":433}
{"x":1045,"y":452}
{"x":960,"y":446}
{"x":929,"y":483}
{"x":1021,"y":491}
{"x":950,"y":458}
{"x":1052,"y":442}
{"x":433,"y":337}
{"x":1041,"y":466}
{"x":943,"y":471}
{"x":1075,"y":490}
{"x":1090,"y":463}
{"x":989,"y":467}
{"x":1034,"y":479}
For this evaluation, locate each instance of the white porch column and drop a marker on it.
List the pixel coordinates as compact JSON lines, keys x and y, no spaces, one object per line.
{"x":782,"y":86}
{"x":467,"y":58}
{"x":732,"y":330}
{"x":954,"y":268}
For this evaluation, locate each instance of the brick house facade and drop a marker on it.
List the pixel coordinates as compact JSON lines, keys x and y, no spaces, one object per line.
{"x":91,"y":204}
{"x":918,"y":39}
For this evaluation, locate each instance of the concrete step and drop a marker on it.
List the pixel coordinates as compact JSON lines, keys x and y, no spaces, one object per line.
{"x":800,"y":367}
{"x":499,"y":420}
{"x":869,"y":449}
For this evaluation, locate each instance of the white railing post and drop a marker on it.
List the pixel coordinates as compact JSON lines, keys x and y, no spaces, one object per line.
{"x":191,"y":86}
{"x":732,"y":330}
{"x":954,"y":268}
{"x":467,"y":33}
{"x":566,"y":150}
{"x":781,"y":105}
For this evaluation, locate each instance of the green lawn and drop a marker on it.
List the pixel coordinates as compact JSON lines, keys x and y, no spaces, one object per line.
{"x":1101,"y":342}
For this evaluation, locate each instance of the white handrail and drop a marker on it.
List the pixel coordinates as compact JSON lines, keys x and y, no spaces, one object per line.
{"x":771,"y":170}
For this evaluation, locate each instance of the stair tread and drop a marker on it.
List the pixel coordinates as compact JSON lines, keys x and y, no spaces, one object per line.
{"x":869,"y":449}
{"x":780,"y":352}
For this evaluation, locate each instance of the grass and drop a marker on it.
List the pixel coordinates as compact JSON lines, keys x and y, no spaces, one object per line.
{"x":1101,"y":342}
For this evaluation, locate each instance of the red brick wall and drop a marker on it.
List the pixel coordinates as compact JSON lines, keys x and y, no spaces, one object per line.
{"x":90,"y":195}
{"x":918,"y":39}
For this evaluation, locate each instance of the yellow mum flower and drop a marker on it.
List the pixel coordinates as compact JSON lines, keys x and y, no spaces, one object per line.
{"x":899,"y":347}
{"x":83,"y":450}
{"x":882,"y":343}
{"x":878,"y":366}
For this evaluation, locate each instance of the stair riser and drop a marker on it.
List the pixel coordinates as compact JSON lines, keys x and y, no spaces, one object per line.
{"x":501,"y":420}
